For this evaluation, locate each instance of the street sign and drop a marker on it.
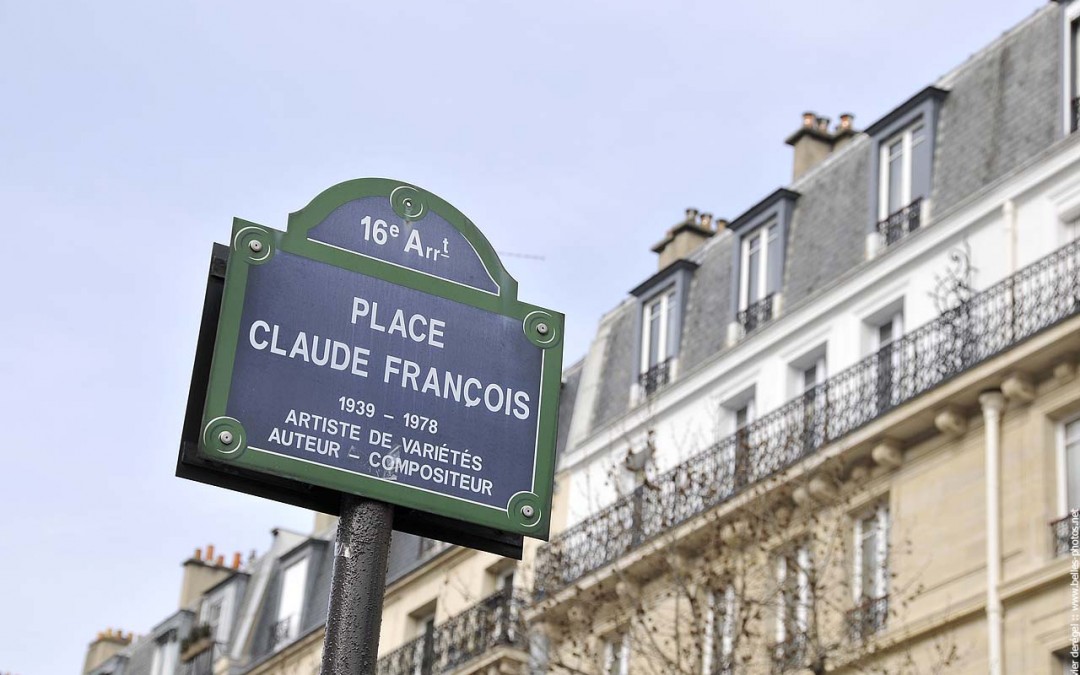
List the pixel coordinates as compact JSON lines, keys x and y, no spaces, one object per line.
{"x":377,"y":348}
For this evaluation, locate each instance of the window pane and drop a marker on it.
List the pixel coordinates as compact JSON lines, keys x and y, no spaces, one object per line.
{"x":752,"y":272}
{"x":292,"y":595}
{"x":885,"y":334}
{"x":773,"y":262}
{"x":918,"y":135}
{"x":1072,"y":463}
{"x":654,"y":336}
{"x":896,"y":177}
{"x":810,"y":378}
{"x":672,"y":325}
{"x":869,"y":551}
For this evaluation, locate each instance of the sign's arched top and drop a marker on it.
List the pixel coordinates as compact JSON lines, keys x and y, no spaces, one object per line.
{"x":406,"y":228}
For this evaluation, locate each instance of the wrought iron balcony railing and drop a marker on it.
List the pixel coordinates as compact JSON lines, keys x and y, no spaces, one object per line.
{"x":756,"y":315}
{"x":1075,"y":113}
{"x":901,"y":223}
{"x":495,"y":621}
{"x":657,"y":376}
{"x":281,"y":632}
{"x":868,"y":618}
{"x":1061,"y":531}
{"x":989,"y":323}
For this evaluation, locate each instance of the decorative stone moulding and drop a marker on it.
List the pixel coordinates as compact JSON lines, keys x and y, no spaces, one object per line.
{"x":888,"y":453}
{"x":951,"y":421}
{"x":822,"y":487}
{"x":1065,"y":371}
{"x":1018,"y":387}
{"x":859,"y":473}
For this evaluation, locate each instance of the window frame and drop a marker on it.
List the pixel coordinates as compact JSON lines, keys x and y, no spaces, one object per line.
{"x":1070,"y":67}
{"x":726,"y":635}
{"x":765,"y":234}
{"x":803,"y":600}
{"x":906,"y":138}
{"x":617,"y":640}
{"x":1062,"y":461}
{"x":295,"y":619}
{"x":666,"y":302}
{"x":882,"y":517}
{"x":776,"y":210}
{"x":924,"y":107}
{"x":675,"y":278}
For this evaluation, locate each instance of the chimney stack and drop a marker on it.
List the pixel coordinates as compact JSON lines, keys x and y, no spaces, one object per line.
{"x":201,"y":573}
{"x":107,"y":643}
{"x":813,"y":141}
{"x":684,"y":238}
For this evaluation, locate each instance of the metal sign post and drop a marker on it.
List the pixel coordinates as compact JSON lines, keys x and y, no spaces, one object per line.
{"x":351,"y":645}
{"x":377,"y":349}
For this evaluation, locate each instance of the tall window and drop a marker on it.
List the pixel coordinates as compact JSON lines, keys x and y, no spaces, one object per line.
{"x":212,"y":618}
{"x":815,"y":403}
{"x":166,"y":654}
{"x":659,"y":340}
{"x":794,"y":599}
{"x":291,"y":605}
{"x":898,"y":170}
{"x":870,"y":573}
{"x":424,"y":655}
{"x":1074,"y":79}
{"x":720,"y":633}
{"x":760,"y":275}
{"x":1070,"y":456}
{"x":617,"y":654}
{"x":903,"y":162}
{"x":884,"y":338}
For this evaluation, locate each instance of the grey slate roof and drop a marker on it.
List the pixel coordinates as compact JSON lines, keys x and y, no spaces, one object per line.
{"x":1003,"y":108}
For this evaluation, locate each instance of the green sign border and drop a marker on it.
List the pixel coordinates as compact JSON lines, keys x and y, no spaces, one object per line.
{"x":254,"y":244}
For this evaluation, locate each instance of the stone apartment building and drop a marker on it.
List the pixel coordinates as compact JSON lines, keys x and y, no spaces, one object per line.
{"x":838,"y":432}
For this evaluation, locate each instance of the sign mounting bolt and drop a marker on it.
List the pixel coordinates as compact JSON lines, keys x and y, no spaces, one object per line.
{"x":255,"y":245}
{"x":542,"y":328}
{"x":527,"y":511}
{"x":225,"y":437}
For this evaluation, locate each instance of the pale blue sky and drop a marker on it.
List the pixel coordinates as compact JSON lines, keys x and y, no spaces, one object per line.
{"x":132,"y":132}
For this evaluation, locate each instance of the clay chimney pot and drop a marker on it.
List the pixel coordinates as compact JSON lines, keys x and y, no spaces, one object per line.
{"x":808,"y":119}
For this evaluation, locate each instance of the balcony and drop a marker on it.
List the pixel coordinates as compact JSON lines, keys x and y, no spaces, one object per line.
{"x":1061,"y":535}
{"x":756,"y":314}
{"x":496,"y":621}
{"x":202,"y":662}
{"x":901,"y":223}
{"x":654,"y":378}
{"x":868,"y":618}
{"x":282,"y":632}
{"x":989,"y":324}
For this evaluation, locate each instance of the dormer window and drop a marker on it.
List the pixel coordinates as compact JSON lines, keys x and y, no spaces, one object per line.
{"x":662,"y":299}
{"x":658,"y":340}
{"x":759,"y":263}
{"x":1072,"y":70}
{"x":899,"y":200}
{"x":903,"y":147}
{"x":290,"y":608}
{"x":760,"y":279}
